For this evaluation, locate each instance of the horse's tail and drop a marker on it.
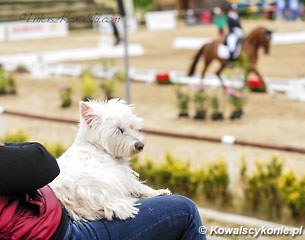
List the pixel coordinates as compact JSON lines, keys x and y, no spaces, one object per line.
{"x":196,"y":58}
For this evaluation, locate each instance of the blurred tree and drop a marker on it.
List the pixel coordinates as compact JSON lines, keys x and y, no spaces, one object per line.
{"x":143,"y":5}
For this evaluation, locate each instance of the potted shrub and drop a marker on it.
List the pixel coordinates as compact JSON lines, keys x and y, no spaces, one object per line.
{"x":7,"y":83}
{"x":237,"y":101}
{"x":21,"y":69}
{"x":89,"y":85}
{"x":216,"y":115}
{"x":200,"y":99}
{"x":11,"y":85}
{"x":3,"y":81}
{"x":65,"y":94}
{"x":109,"y":87}
{"x":183,"y":99}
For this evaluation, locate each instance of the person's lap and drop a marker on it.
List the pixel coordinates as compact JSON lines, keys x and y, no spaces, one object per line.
{"x":165,"y":217}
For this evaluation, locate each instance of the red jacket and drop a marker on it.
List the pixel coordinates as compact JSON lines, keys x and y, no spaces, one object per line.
{"x":29,"y":216}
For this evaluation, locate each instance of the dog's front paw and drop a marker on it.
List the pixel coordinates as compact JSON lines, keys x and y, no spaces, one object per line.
{"x":125,"y":209}
{"x":137,"y":175}
{"x":162,"y":192}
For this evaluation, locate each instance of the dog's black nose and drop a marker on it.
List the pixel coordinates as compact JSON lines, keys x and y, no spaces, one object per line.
{"x":139,"y":146}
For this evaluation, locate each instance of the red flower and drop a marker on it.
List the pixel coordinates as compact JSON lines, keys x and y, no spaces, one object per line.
{"x":162,"y":77}
{"x":255,"y":83}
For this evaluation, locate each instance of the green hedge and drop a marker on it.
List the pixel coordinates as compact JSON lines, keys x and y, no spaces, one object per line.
{"x":56,"y":149}
{"x":211,"y":182}
{"x":18,"y":136}
{"x":266,"y":192}
{"x":270,"y":190}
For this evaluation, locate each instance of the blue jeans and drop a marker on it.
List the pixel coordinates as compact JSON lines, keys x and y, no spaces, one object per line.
{"x":160,"y":218}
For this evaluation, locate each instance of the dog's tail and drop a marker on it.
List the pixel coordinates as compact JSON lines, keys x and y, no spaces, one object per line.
{"x":194,"y":63}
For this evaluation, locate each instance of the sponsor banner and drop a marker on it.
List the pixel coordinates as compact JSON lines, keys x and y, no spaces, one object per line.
{"x":23,"y":30}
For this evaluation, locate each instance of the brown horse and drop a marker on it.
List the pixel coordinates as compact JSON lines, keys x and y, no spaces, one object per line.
{"x":260,"y":37}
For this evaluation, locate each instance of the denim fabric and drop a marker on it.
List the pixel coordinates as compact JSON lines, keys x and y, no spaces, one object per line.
{"x":160,"y":218}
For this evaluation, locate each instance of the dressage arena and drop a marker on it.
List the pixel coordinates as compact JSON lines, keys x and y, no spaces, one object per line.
{"x":272,"y":119}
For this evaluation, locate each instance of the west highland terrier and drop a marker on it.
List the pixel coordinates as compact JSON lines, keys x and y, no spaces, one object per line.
{"x":96,"y":180}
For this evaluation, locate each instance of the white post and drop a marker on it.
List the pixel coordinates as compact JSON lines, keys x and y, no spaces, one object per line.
{"x":127,"y":80}
{"x":2,"y":127}
{"x":229,"y":141}
{"x":122,"y":12}
{"x":129,"y":7}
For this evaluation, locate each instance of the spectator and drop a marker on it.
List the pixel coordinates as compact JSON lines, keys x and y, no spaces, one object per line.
{"x":294,"y":10}
{"x":220,"y":20}
{"x":30,"y":210}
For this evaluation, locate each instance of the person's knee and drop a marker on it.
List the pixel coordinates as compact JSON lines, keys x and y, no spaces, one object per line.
{"x":188,"y":215}
{"x":185,"y":204}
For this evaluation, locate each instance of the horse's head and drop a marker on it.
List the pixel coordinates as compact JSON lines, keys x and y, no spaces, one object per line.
{"x":265,"y":40}
{"x":261,"y":37}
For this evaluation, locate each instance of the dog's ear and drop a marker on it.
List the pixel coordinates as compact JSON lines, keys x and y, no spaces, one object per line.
{"x":86,"y":113}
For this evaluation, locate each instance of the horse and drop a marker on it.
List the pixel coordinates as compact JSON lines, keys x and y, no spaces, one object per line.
{"x":259,"y":37}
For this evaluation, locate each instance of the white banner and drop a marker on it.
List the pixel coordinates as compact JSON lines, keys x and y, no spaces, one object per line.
{"x":2,"y":32}
{"x":163,"y":20}
{"x":23,"y":30}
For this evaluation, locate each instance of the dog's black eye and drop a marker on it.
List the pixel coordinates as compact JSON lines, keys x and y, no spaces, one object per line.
{"x":121,"y":130}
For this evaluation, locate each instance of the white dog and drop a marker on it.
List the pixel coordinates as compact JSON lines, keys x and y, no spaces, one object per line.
{"x":96,"y":180}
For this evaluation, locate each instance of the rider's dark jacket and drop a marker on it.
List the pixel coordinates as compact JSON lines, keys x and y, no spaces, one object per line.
{"x":233,"y":22}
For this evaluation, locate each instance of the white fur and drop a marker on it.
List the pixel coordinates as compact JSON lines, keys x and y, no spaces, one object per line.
{"x":96,"y":180}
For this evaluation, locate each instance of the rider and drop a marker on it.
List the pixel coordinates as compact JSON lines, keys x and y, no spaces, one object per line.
{"x":235,"y":35}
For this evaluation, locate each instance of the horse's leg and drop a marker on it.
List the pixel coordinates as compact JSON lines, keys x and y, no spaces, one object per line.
{"x":207,"y":62}
{"x":254,"y":69}
{"x":219,"y":71}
